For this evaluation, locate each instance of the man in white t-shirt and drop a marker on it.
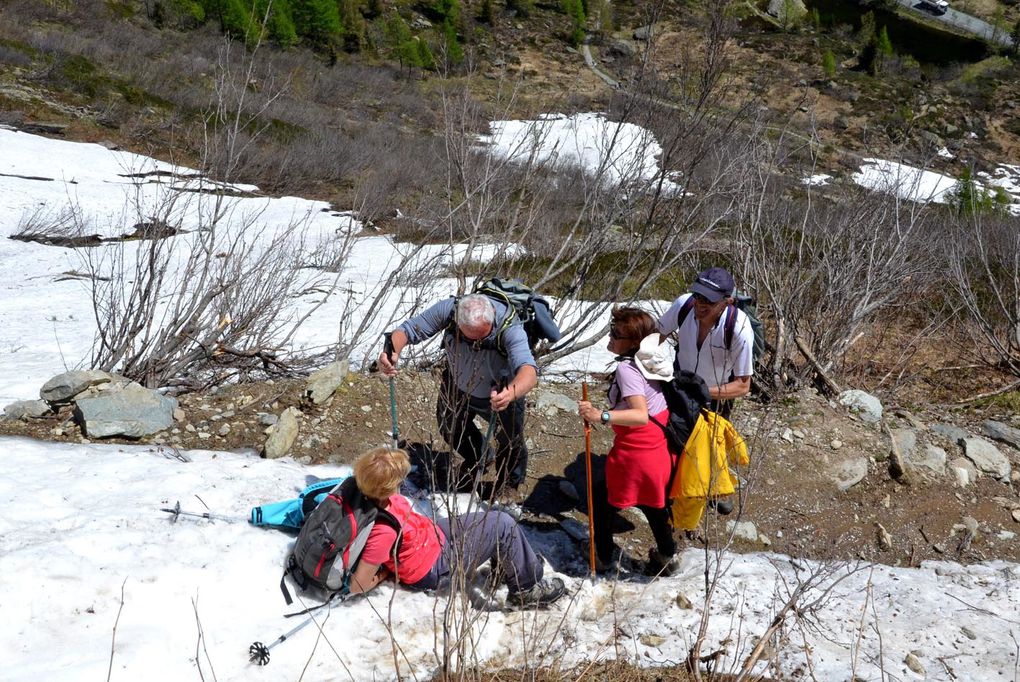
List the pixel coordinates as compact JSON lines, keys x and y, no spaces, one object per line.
{"x":711,"y":343}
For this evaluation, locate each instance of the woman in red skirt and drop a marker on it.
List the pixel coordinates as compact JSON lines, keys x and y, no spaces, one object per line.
{"x":639,"y":463}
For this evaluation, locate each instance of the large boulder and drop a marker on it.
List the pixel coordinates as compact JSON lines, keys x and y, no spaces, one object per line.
{"x":324,"y":382}
{"x":864,"y":405}
{"x":986,"y":457}
{"x":63,"y":387}
{"x":788,"y":12}
{"x":283,"y":434}
{"x":132,"y":412}
{"x":549,"y":403}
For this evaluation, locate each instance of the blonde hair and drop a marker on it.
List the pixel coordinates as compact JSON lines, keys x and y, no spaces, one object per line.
{"x":380,"y":471}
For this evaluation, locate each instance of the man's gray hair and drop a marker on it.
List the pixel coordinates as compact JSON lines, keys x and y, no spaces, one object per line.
{"x":474,"y":311}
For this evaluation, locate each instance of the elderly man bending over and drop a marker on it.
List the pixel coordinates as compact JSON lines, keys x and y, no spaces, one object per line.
{"x":489,"y":369}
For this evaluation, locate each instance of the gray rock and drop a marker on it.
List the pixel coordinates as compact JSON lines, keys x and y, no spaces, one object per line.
{"x":223,"y":430}
{"x":953,"y":434}
{"x":322,"y":383}
{"x":551,"y":403}
{"x":986,"y":457}
{"x":850,"y":472}
{"x":621,"y":48}
{"x":865,"y":405}
{"x":132,"y":412}
{"x":267,"y":419}
{"x":931,"y":457}
{"x":63,"y":387}
{"x":788,"y":12}
{"x":964,"y":471}
{"x":283,"y":435}
{"x":745,"y":530}
{"x":1004,"y":433}
{"x":26,"y":409}
{"x":644,"y":33}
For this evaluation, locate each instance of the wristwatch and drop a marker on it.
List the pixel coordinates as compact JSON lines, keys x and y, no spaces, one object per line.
{"x":605,"y":417}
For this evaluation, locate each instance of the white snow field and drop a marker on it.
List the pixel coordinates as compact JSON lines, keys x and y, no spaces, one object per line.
{"x":81,"y":523}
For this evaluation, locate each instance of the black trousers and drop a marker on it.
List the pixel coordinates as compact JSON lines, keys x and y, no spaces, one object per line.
{"x":605,"y":519}
{"x":455,"y":413}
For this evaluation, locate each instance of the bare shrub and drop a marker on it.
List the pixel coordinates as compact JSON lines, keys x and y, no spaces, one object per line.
{"x":826,"y":266}
{"x":983,"y":260}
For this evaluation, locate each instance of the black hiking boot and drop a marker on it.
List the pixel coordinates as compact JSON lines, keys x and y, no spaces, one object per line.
{"x":660,"y":565}
{"x":724,"y":507}
{"x":542,"y":593}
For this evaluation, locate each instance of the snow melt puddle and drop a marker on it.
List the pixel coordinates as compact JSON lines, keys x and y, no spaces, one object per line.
{"x":66,"y":556}
{"x":620,"y":153}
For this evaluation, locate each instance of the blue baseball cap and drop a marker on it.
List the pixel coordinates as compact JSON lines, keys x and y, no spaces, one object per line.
{"x":715,"y":284}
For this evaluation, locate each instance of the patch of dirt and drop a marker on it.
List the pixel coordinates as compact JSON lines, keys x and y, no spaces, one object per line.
{"x":789,"y":492}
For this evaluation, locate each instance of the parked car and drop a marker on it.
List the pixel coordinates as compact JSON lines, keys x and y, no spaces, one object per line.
{"x":934,"y":6}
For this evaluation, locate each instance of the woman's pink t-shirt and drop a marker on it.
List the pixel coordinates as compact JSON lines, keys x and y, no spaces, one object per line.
{"x":422,"y":542}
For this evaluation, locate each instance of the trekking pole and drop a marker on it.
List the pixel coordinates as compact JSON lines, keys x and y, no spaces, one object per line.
{"x":388,"y":349}
{"x":176,"y":512}
{"x":587,"y":467}
{"x":258,"y":652}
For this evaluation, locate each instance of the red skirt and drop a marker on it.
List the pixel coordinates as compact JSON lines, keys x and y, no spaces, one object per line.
{"x":639,"y":465}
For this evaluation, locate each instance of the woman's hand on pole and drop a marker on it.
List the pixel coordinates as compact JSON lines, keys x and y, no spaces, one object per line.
{"x":588,"y":412}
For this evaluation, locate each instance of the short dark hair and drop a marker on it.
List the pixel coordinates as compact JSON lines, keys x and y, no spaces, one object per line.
{"x":632,"y":324}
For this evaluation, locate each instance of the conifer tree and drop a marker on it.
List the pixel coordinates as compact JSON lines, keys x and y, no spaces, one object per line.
{"x":829,"y":64}
{"x":318,"y":21}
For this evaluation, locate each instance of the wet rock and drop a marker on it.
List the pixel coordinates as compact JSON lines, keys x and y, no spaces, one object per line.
{"x":864,"y":405}
{"x":850,"y":472}
{"x":63,"y":387}
{"x":133,"y":412}
{"x":1003,"y":433}
{"x":322,"y":383}
{"x":283,"y":435}
{"x":26,"y":409}
{"x":986,"y":457}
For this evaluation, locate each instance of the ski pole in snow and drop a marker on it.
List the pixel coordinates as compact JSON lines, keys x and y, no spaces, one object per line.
{"x":587,"y":467}
{"x":176,"y":512}
{"x":258,"y":652}
{"x":388,"y":349}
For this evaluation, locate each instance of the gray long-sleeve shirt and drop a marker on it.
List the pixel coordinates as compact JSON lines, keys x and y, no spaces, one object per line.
{"x":476,"y":367}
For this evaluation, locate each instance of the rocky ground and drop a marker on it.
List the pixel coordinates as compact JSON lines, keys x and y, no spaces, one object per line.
{"x":826,"y":481}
